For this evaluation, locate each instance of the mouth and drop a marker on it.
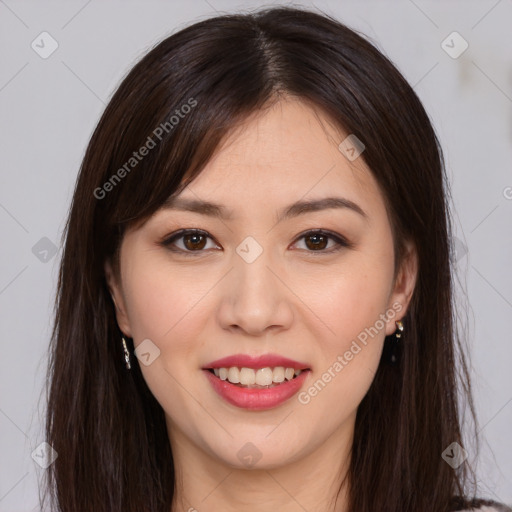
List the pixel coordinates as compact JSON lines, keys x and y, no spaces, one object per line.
{"x":258,"y":395}
{"x":256,"y":382}
{"x":257,"y":378}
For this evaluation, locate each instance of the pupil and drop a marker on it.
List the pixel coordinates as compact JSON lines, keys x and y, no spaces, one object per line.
{"x":319,"y":241}
{"x":194,"y":238}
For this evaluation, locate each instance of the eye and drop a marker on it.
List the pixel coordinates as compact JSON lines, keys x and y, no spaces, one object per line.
{"x":317,"y":240}
{"x":191,"y":242}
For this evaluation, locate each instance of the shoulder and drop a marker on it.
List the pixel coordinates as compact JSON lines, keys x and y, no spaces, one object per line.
{"x":487,"y":506}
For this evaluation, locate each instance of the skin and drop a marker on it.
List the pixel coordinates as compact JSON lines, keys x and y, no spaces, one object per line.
{"x":293,"y":300}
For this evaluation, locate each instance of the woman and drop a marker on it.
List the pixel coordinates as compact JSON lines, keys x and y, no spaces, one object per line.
{"x":255,"y":297}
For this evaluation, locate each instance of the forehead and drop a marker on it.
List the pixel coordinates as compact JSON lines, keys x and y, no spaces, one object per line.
{"x":278,"y":156}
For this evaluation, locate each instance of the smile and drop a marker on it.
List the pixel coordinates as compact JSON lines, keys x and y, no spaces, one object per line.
{"x":255,"y":397}
{"x":256,"y":378}
{"x":256,"y":382}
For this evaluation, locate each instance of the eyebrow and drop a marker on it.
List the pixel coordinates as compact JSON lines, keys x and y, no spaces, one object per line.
{"x":298,"y":208}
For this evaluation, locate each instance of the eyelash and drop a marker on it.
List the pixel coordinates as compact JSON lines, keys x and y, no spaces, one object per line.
{"x":338,"y":239}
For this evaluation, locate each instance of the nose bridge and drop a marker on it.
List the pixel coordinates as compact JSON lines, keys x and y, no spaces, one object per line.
{"x":254,"y":283}
{"x":254,"y":298}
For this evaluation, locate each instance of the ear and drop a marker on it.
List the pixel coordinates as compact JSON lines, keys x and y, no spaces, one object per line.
{"x":403,"y":287}
{"x":118,"y":299}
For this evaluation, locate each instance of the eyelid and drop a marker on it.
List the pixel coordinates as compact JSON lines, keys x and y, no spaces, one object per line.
{"x":340,"y":240}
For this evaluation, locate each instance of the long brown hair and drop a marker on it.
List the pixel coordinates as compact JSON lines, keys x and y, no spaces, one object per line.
{"x":180,"y":101}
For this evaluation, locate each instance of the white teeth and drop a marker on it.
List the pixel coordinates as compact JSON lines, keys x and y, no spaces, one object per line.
{"x":278,"y":374}
{"x":247,"y":376}
{"x":262,"y":377}
{"x":289,"y":373}
{"x":234,"y":375}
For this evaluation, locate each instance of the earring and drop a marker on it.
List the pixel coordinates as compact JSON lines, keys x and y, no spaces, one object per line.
{"x":400,"y":328}
{"x":394,"y":348}
{"x":126,"y":354}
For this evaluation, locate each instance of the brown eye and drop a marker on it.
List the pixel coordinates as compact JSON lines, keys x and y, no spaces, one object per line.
{"x":194,"y":241}
{"x":318,"y":241}
{"x":188,"y":242}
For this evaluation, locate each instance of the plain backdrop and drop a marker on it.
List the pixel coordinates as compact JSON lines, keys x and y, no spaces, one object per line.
{"x":50,"y":104}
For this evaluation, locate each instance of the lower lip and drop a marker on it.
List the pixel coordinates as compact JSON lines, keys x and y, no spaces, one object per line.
{"x":253,"y":398}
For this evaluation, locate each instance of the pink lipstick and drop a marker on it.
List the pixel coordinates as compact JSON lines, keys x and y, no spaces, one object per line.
{"x":257,"y":398}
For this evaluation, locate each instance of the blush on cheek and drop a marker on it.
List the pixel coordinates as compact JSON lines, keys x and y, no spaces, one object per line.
{"x":359,"y":338}
{"x":171,"y":315}
{"x":150,"y":316}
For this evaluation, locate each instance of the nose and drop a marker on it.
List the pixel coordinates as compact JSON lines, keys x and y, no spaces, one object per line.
{"x":255,"y":298}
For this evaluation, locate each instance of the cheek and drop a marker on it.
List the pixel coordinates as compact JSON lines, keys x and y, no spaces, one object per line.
{"x":349,"y":354}
{"x":351,"y":298}
{"x":351,"y":304}
{"x":164,"y":304}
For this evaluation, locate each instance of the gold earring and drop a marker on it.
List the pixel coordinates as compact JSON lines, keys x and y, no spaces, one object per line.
{"x":126,"y":354}
{"x":400,"y":328}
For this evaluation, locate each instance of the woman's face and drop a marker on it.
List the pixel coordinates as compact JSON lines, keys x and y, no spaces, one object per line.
{"x":256,"y":282}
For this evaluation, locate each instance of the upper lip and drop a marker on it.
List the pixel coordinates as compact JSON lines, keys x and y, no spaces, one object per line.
{"x":255,"y":362}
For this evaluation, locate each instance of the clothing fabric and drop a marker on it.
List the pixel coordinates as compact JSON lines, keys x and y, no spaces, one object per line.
{"x":489,"y":508}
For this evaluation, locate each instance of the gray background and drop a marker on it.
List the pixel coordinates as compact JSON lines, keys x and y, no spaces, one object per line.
{"x":50,"y":106}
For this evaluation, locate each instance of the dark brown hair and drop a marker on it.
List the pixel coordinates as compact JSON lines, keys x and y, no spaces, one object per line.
{"x":102,"y":420}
